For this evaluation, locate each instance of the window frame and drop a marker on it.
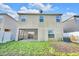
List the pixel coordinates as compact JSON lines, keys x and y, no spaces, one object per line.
{"x":51,"y":34}
{"x":77,"y":20}
{"x":41,"y":18}
{"x":22,"y":17}
{"x":58,"y":18}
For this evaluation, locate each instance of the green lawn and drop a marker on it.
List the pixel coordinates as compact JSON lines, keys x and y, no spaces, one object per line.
{"x":35,"y":48}
{"x":24,"y":48}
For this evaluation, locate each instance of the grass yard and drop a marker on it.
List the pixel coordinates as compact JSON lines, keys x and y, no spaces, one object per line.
{"x":35,"y":48}
{"x":24,"y":48}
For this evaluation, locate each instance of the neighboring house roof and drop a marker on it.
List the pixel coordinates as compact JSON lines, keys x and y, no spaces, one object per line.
{"x":70,"y":18}
{"x":70,"y":25}
{"x":7,"y":15}
{"x":67,"y":19}
{"x":76,"y":15}
{"x":37,"y":14}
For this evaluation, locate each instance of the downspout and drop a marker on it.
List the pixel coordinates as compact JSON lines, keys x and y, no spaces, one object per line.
{"x":3,"y":37}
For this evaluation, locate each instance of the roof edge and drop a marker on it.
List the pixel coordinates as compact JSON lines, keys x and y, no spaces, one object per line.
{"x":67,"y":19}
{"x":71,"y":17}
{"x":7,"y":15}
{"x":76,"y":15}
{"x":37,"y":14}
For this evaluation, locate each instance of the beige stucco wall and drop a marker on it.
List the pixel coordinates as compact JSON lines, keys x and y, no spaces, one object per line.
{"x":32,"y":21}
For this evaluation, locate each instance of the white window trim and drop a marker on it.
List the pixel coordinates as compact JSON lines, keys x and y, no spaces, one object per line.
{"x":23,"y":16}
{"x":43,"y":18}
{"x":58,"y":17}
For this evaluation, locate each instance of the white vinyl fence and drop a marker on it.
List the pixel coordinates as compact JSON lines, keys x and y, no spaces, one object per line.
{"x":66,"y":35}
{"x":5,"y":37}
{"x":75,"y":34}
{"x":71,"y":33}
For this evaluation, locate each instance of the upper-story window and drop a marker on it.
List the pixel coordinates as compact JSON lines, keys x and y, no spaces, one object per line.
{"x":41,"y":18}
{"x":23,"y":18}
{"x":58,"y":18}
{"x":1,"y":18}
{"x":77,"y":20}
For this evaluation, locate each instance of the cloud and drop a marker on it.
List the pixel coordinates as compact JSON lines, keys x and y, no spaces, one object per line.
{"x":68,"y":8}
{"x":38,"y":6}
{"x":23,"y":9}
{"x":71,"y":13}
{"x":42,"y":6}
{"x":56,"y":8}
{"x":7,"y":9}
{"x":67,"y":15}
{"x":46,"y":8}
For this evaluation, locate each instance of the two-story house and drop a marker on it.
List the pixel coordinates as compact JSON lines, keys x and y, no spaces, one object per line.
{"x":30,"y":26}
{"x":39,"y":27}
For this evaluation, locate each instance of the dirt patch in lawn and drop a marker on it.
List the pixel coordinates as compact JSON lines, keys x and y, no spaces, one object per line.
{"x":66,"y":47}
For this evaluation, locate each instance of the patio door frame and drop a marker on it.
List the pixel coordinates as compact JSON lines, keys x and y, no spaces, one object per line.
{"x":36,"y":31}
